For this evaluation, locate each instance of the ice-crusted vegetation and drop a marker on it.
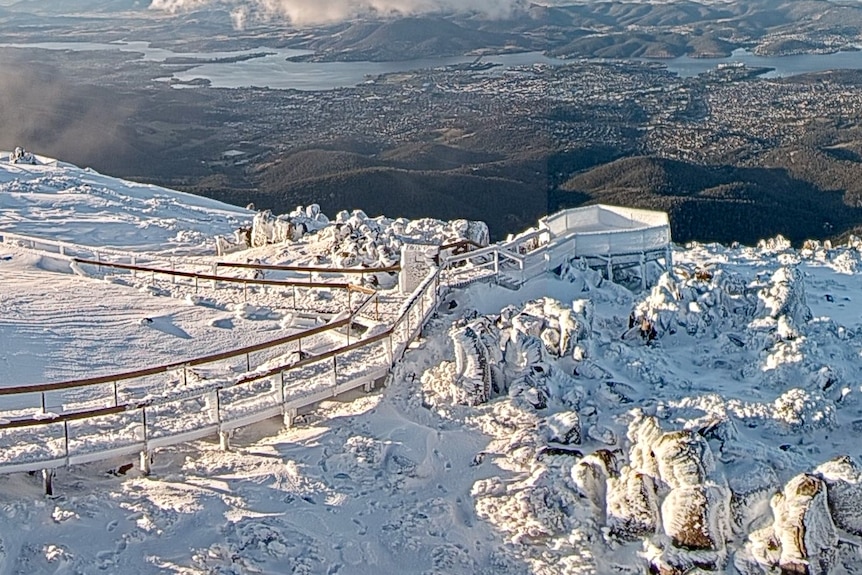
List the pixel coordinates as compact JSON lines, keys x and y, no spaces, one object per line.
{"x":704,"y":425}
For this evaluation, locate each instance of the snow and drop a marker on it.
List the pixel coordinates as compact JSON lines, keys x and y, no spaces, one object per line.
{"x":706,"y":424}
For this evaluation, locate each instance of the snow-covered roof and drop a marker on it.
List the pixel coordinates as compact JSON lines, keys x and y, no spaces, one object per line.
{"x":602,"y":218}
{"x":609,"y":230}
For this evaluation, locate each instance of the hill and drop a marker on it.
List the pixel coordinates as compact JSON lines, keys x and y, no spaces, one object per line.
{"x":714,"y":203}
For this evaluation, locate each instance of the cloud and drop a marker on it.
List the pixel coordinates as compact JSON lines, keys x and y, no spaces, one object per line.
{"x":47,"y":113}
{"x":311,"y":12}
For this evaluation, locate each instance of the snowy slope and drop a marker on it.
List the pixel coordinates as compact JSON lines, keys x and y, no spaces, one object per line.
{"x":64,"y":203}
{"x":528,"y":431}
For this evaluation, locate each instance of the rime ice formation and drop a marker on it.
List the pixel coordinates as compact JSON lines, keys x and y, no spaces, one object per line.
{"x":351,"y":238}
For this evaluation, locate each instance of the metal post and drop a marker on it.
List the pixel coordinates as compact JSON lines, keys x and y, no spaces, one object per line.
{"x":185,"y":376}
{"x":610,"y":268}
{"x":643,"y":271}
{"x":116,"y":395}
{"x":248,"y":361}
{"x":48,"y":481}
{"x":334,"y":372}
{"x":42,"y":394}
{"x":66,"y":437}
{"x":389,"y":355}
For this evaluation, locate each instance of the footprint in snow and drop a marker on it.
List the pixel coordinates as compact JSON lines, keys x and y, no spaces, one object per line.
{"x":111,"y":526}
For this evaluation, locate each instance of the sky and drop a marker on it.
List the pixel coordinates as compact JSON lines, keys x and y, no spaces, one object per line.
{"x":309,"y":12}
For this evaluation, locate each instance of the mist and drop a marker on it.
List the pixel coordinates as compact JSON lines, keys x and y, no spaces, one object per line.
{"x":47,"y":114}
{"x":313,"y":12}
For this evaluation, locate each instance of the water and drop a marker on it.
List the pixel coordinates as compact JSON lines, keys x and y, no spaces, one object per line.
{"x":273,"y":70}
{"x":150,"y":53}
{"x":782,"y":65}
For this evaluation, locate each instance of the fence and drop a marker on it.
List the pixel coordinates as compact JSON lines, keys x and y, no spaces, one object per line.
{"x":140,"y":411}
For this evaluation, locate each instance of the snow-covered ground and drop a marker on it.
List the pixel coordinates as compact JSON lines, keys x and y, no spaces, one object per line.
{"x":570,"y":426}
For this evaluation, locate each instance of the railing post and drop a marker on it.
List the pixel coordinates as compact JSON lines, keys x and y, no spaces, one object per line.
{"x":248,"y":361}
{"x":66,"y":438}
{"x":643,"y":271}
{"x":334,"y":373}
{"x":48,"y":482}
{"x":145,"y":462}
{"x":389,"y":354}
{"x":116,"y":395}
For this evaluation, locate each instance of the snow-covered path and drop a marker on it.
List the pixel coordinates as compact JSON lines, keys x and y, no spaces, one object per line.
{"x":59,"y":326}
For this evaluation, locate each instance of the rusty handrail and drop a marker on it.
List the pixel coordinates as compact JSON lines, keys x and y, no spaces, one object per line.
{"x":309,"y":269}
{"x":216,"y":278}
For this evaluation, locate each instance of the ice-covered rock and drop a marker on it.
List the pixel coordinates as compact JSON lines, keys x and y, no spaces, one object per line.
{"x":843,"y":479}
{"x":803,"y":527}
{"x":643,"y":432}
{"x":590,"y":475}
{"x":632,"y":505}
{"x":684,"y":458}
{"x":695,"y":517}
{"x":477,"y":354}
{"x":562,"y":427}
{"x":785,"y":296}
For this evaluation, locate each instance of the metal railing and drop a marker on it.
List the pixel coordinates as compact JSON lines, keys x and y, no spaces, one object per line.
{"x":121,"y":414}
